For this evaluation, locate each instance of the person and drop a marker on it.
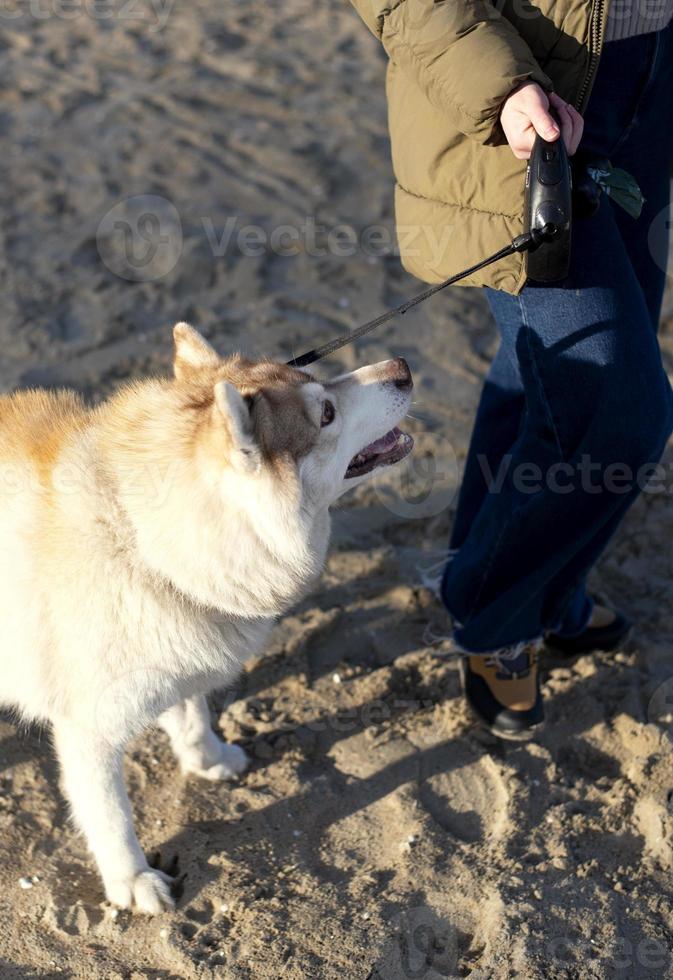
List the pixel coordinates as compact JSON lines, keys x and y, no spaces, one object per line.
{"x":576,"y":408}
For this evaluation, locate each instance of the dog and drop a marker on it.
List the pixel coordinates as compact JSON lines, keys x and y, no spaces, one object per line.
{"x":150,"y":543}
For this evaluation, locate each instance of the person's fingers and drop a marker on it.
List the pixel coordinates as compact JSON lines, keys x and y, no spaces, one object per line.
{"x":530,"y":111}
{"x":563,"y":116}
{"x":578,"y":127}
{"x":572,"y":124}
{"x":538,"y":113}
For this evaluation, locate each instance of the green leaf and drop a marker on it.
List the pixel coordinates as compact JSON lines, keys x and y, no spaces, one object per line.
{"x":620,"y":186}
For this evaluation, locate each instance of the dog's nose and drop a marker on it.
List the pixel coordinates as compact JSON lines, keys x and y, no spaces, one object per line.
{"x":401,"y":374}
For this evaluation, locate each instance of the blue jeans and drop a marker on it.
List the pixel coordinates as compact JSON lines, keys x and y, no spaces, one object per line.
{"x":577,"y":406}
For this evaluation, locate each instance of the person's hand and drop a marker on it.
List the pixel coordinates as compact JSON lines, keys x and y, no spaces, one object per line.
{"x":525,"y":113}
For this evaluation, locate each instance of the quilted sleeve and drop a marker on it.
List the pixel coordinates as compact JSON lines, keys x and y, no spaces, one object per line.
{"x":464,"y":55}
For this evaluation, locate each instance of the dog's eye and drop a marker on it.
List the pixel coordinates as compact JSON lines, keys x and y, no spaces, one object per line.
{"x":328,"y":413}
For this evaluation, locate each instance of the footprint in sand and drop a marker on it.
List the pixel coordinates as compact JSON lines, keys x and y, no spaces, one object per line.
{"x":420,"y":943}
{"x":467,"y":797}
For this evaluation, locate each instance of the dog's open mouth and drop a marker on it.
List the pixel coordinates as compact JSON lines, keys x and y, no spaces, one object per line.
{"x":390,"y":448}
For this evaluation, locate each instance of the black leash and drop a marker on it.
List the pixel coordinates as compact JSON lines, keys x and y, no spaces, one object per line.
{"x":529,"y":241}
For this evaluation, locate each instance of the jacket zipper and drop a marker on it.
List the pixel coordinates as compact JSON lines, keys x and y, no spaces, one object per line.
{"x":595,"y":45}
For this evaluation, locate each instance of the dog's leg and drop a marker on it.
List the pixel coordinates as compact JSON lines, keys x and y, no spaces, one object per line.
{"x":93,"y":780}
{"x":195,"y":744}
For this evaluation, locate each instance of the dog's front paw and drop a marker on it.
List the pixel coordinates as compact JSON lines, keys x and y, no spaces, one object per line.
{"x":231,"y":763}
{"x":149,"y":892}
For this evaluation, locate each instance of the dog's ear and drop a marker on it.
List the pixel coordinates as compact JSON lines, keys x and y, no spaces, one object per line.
{"x":192,"y":352}
{"x":236,"y":411}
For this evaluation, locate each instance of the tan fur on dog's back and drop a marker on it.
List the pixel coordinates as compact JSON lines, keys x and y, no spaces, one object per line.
{"x":34,"y":425}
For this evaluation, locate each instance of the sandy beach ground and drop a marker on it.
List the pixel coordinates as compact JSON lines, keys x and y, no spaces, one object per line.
{"x":377,"y":835}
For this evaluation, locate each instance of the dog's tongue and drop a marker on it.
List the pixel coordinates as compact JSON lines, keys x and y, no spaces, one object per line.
{"x":385,"y":442}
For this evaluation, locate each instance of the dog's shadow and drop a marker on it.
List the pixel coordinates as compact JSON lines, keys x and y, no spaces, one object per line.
{"x":21,"y":743}
{"x":330,"y":796}
{"x":332,"y":634}
{"x":9,"y":971}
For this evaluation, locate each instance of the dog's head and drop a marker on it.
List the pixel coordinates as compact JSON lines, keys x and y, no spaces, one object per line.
{"x":262,"y":419}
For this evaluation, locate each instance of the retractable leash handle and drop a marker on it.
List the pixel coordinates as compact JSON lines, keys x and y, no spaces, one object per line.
{"x":548,"y":210}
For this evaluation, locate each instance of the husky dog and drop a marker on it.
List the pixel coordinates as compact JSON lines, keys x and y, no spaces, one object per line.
{"x":148,"y":546}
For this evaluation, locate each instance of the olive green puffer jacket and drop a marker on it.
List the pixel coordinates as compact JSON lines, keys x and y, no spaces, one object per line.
{"x":452,"y":63}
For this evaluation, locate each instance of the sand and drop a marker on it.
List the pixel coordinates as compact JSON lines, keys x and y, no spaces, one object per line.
{"x":378,"y":835}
